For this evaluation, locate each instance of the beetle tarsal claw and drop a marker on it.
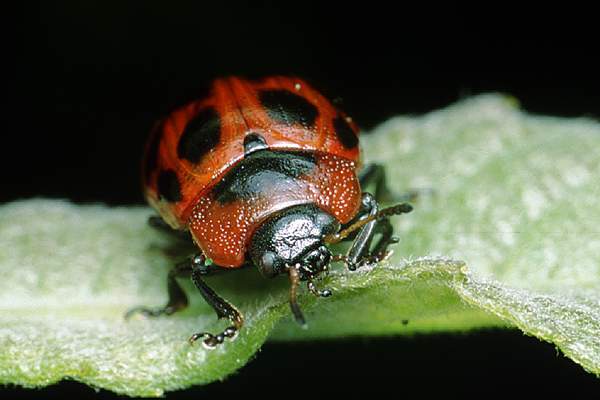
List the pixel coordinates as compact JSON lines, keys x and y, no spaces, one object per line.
{"x":211,"y":341}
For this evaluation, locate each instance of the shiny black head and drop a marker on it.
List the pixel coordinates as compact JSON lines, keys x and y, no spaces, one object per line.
{"x":293,"y":237}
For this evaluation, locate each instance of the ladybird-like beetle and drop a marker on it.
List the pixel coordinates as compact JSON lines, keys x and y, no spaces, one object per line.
{"x":262,"y":173}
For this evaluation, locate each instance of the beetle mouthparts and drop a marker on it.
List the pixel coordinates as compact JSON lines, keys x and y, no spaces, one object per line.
{"x":295,"y":283}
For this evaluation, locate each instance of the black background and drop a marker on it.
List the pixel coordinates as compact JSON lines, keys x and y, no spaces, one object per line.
{"x":87,"y":80}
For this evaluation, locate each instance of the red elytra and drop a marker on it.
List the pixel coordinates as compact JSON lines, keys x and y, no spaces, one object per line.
{"x":193,"y":148}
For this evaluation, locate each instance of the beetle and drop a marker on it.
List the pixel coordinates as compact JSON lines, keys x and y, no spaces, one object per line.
{"x":263,"y":173}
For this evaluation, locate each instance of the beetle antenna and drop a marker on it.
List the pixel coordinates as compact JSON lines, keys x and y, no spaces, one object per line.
{"x":398,"y":209}
{"x":295,"y":283}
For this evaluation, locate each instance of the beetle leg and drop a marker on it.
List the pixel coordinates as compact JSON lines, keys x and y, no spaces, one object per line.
{"x":222,"y":308}
{"x":364,"y":211}
{"x":386,"y":230}
{"x":362,"y":241}
{"x":360,"y":250}
{"x":375,"y":174}
{"x":177,"y":298}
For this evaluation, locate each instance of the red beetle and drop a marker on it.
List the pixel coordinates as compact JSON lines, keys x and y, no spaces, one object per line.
{"x":262,"y":173}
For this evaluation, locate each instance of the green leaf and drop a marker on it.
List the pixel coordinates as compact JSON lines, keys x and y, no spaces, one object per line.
{"x":515,"y":199}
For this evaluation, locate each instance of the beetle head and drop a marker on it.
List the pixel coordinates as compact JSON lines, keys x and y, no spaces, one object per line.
{"x":293,"y":238}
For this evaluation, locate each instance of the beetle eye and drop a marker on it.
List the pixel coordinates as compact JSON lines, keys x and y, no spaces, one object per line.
{"x":266,"y":264}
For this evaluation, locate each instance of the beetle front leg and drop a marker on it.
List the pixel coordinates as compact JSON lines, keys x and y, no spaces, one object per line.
{"x":374,"y":174}
{"x":362,"y":242}
{"x":222,"y":308}
{"x":360,"y":250}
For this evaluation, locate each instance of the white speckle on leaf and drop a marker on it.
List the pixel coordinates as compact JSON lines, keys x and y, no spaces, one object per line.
{"x":505,"y":232}
{"x":535,"y":202}
{"x":577,"y":175}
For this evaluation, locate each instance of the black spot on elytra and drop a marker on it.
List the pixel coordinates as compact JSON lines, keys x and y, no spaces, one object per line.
{"x":151,"y":160}
{"x":168,"y":185}
{"x":289,"y":108}
{"x":261,"y":173}
{"x":345,"y":133}
{"x":200,"y":136}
